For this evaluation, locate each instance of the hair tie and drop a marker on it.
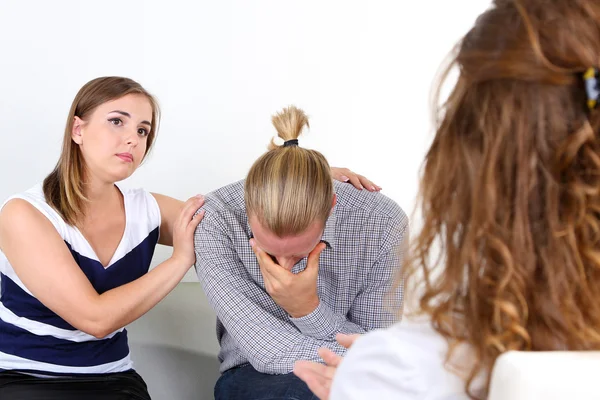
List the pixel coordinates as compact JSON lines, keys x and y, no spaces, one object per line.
{"x":592,"y":90}
{"x":288,"y":143}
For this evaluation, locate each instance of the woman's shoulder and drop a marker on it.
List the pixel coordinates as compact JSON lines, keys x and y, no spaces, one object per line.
{"x":141,"y":205}
{"x":34,"y":194}
{"x":136,"y":194}
{"x":407,"y":345}
{"x":34,"y":197}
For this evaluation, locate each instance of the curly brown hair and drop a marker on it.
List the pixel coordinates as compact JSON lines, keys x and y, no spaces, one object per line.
{"x":508,"y":257}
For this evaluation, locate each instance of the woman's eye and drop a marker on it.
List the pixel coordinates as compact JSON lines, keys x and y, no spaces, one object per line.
{"x":142,"y":132}
{"x":116,"y":121}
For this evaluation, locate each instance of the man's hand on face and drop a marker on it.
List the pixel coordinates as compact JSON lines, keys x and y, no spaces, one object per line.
{"x":295,"y":293}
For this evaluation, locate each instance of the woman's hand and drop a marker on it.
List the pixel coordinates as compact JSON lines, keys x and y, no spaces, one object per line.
{"x":183,"y":231}
{"x":359,"y":181}
{"x":319,"y":377}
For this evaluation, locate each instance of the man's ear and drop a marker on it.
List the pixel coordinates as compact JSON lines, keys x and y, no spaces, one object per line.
{"x":77,"y":131}
{"x":334,"y":202}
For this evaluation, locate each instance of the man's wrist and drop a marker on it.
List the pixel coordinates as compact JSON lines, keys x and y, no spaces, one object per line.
{"x":308,"y":308}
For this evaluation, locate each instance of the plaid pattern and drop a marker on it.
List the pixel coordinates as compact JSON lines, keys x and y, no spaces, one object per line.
{"x":356,"y":271}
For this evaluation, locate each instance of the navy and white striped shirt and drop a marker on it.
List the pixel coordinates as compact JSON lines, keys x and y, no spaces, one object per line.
{"x":364,"y":234}
{"x":33,"y":338}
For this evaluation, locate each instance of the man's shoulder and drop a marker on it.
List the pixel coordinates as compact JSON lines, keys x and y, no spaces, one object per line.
{"x":371,"y":204}
{"x":227,"y":198}
{"x":225,"y":210}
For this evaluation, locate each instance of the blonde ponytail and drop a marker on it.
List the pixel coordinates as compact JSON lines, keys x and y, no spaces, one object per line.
{"x":288,"y":188}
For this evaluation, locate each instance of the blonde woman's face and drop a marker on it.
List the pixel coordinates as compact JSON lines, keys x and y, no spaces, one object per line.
{"x":113,"y":139}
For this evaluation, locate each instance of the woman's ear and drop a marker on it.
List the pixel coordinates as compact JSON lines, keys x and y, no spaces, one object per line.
{"x":77,"y":131}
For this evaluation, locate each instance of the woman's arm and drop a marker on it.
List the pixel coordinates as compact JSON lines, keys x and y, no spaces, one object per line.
{"x":170,"y":209}
{"x":46,"y":267}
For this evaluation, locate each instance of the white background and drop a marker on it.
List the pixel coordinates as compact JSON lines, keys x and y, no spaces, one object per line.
{"x":362,"y":70}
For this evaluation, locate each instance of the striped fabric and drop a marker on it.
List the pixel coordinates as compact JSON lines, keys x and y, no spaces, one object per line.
{"x":33,"y":338}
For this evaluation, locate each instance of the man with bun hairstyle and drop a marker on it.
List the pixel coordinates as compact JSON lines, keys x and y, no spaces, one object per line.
{"x":289,"y":259}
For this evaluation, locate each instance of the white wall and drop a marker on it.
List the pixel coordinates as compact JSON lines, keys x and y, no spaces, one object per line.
{"x":362,"y":70}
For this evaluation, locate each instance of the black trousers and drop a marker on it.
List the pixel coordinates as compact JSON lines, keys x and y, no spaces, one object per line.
{"x":127,"y":385}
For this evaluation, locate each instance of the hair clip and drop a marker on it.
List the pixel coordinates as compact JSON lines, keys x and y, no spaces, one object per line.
{"x":592,"y":90}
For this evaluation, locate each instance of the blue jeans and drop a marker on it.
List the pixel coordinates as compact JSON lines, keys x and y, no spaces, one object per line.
{"x":246,"y":383}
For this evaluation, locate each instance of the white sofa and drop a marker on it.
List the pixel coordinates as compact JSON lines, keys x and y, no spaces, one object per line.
{"x":546,"y":376}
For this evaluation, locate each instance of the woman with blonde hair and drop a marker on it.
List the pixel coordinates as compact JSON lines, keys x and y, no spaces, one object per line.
{"x":508,"y":257}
